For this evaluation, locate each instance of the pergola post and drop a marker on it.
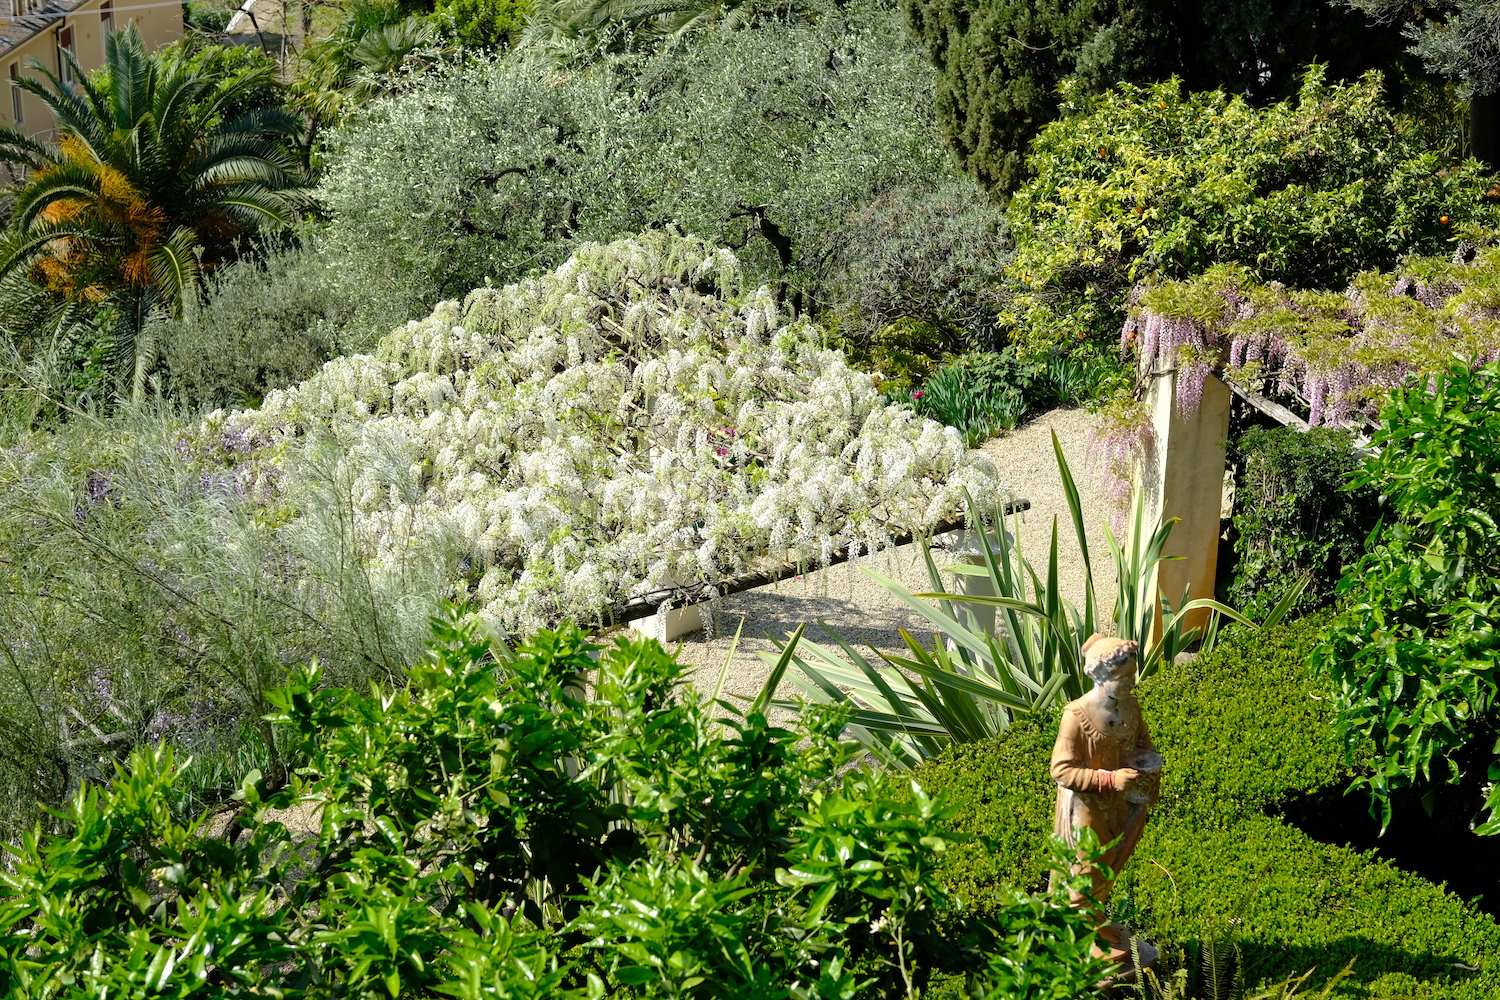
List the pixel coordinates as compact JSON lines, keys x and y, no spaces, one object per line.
{"x":1183,"y":477}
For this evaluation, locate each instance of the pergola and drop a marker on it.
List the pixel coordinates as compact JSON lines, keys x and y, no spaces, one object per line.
{"x":1304,"y":358}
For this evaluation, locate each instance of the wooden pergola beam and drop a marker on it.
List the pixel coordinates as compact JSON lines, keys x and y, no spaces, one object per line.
{"x":1287,"y":418}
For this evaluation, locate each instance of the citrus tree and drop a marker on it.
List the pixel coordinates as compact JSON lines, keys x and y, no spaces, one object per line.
{"x":1145,"y":183}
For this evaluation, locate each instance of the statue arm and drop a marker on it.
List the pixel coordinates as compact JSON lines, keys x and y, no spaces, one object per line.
{"x":1070,"y":763}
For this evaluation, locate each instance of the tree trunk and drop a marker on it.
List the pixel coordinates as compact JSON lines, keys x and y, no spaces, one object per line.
{"x":1484,"y":130}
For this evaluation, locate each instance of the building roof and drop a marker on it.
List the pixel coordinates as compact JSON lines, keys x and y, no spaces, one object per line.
{"x":16,"y":30}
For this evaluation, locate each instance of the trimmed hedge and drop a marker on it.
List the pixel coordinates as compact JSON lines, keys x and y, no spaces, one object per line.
{"x":1243,"y":729}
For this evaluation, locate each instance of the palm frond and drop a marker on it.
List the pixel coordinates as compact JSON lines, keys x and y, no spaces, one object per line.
{"x":69,"y":109}
{"x":234,"y":171}
{"x":23,"y":247}
{"x":263,"y":121}
{"x":65,"y":181}
{"x":255,"y":208}
{"x":174,"y":267}
{"x":25,"y":150}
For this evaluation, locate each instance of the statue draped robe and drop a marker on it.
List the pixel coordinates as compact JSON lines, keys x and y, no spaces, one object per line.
{"x":1087,"y":744}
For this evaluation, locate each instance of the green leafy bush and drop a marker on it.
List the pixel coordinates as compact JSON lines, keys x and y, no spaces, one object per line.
{"x":1293,"y":515}
{"x":1141,"y":182}
{"x":979,"y":394}
{"x":1277,"y":719}
{"x":985,"y":394}
{"x":1000,"y":63}
{"x":928,"y":254}
{"x":1414,"y":647}
{"x":210,"y":17}
{"x":268,"y":324}
{"x":1244,"y":730}
{"x":1295,"y":905}
{"x":482,"y":22}
{"x":495,"y":829}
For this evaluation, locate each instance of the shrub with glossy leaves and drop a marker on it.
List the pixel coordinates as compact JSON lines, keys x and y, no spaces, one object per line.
{"x":1414,"y":648}
{"x":1146,"y":181}
{"x":495,"y":828}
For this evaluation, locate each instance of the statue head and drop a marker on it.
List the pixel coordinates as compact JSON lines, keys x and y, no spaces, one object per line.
{"x":1106,"y":658}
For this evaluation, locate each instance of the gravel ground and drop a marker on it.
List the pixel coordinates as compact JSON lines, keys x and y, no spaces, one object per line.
{"x":862,"y":611}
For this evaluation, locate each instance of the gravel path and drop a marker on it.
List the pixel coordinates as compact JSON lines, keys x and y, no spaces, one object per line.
{"x":862,"y":611}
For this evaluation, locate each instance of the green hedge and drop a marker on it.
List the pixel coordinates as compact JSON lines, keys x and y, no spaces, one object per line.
{"x":1245,"y":727}
{"x":1242,"y":729}
{"x":1294,"y":514}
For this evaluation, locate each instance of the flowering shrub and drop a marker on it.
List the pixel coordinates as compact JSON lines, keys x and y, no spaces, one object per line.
{"x":1333,"y":354}
{"x":634,"y":425}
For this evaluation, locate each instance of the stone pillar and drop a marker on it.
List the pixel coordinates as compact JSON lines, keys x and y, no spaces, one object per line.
{"x":1183,"y":477}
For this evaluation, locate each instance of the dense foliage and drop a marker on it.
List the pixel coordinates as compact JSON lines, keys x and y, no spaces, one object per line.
{"x":923,"y":265}
{"x":1414,"y":646}
{"x":1294,"y":516}
{"x":1144,"y":183}
{"x":1452,"y":37}
{"x":482,"y":22}
{"x":763,"y":140}
{"x":267,"y":323}
{"x":999,"y":64}
{"x":1246,"y":733}
{"x":146,"y":598}
{"x":529,"y":824}
{"x":362,"y":58}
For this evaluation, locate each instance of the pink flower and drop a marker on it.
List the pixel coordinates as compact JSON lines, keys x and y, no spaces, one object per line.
{"x":918,"y":394}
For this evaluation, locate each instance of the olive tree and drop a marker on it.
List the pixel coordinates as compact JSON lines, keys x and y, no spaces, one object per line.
{"x":764,"y":140}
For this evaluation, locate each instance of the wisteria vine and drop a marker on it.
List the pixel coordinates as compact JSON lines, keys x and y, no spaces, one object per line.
{"x":1332,"y":355}
{"x":631,"y":424}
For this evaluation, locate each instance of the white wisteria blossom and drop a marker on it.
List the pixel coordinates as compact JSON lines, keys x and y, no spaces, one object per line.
{"x":633,"y":426}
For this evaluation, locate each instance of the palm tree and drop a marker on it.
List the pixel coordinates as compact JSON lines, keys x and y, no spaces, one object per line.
{"x":359,"y":61}
{"x":153,"y":179}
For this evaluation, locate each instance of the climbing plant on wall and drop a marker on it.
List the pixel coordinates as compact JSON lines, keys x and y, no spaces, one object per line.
{"x":1333,"y":356}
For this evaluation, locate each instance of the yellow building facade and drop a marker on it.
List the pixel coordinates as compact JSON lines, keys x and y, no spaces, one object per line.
{"x":44,"y":29}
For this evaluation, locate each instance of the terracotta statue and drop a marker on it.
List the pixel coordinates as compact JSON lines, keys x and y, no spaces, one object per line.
{"x":1107,"y":772}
